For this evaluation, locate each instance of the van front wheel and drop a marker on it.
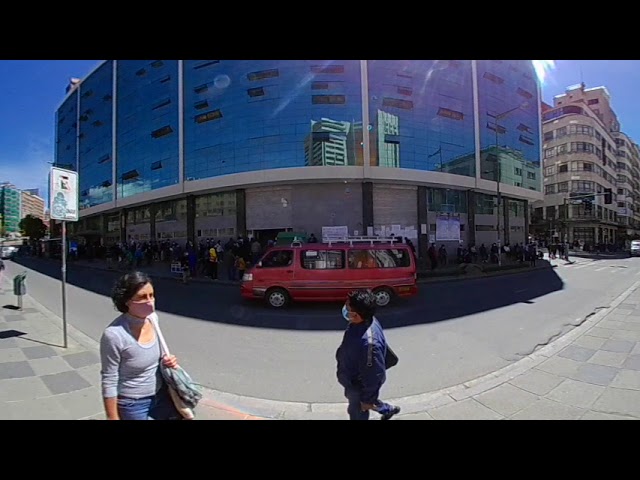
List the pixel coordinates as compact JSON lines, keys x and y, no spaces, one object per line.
{"x":383,"y":296}
{"x":277,"y":298}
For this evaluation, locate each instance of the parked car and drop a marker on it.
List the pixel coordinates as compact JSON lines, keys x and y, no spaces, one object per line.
{"x":8,"y":252}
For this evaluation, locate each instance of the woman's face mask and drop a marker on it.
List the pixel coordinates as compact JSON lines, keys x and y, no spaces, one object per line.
{"x":141,"y":310}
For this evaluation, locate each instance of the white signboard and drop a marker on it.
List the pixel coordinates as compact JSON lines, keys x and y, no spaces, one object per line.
{"x":63,"y":194}
{"x":334,"y":233}
{"x":447,"y":228}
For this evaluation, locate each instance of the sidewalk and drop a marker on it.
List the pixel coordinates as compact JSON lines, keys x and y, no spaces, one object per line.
{"x":41,"y":380}
{"x":592,"y":372}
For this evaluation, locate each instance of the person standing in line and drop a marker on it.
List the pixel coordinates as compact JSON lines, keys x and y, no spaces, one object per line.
{"x":213,"y":263}
{"x":132,"y":384}
{"x":360,"y":373}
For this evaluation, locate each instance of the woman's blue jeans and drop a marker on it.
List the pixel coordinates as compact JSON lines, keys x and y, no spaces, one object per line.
{"x":157,"y":407}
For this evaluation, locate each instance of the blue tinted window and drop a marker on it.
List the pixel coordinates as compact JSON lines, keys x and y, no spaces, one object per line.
{"x":147,"y":125}
{"x":508,"y":104}
{"x":67,"y":132}
{"x":421,"y":115}
{"x":95,"y":137}
{"x":245,"y":115}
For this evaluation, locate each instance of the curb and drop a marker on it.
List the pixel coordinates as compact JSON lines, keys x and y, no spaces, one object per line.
{"x":72,"y":332}
{"x":281,"y":410}
{"x":498,"y":273}
{"x":167,"y":276}
{"x":443,"y":279}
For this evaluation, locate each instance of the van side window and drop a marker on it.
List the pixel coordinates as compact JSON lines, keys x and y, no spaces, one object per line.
{"x":362,"y":259}
{"x":322,"y":259}
{"x":393,"y":258}
{"x":385,"y":258}
{"x":278,"y":258}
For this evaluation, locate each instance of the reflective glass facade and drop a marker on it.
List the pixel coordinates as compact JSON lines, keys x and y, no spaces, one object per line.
{"x":252,"y":115}
{"x":96,"y":138}
{"x":509,"y":122}
{"x":67,"y":132}
{"x":249,"y":115}
{"x":147,"y":125}
{"x":421,"y":113}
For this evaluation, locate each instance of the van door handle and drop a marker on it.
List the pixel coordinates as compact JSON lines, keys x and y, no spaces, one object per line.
{"x":289,"y":271}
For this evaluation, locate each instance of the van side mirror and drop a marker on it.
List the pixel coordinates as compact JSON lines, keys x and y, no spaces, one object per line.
{"x":259,"y":265}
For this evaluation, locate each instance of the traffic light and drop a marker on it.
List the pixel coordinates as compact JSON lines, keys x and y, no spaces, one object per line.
{"x":608,"y":196}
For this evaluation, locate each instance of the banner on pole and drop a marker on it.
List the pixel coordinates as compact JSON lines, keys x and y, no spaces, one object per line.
{"x":63,"y":195}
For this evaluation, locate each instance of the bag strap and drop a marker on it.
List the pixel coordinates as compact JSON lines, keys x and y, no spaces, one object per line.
{"x":370,"y":347}
{"x":153,"y":318}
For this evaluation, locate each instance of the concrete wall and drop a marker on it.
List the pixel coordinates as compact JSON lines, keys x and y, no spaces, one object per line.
{"x":269,"y":208}
{"x":395,"y":205}
{"x":217,"y":228}
{"x":334,"y":204}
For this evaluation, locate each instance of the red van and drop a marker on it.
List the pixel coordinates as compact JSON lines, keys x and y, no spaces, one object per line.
{"x":320,"y":272}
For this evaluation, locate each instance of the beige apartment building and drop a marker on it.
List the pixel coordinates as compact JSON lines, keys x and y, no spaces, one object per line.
{"x":591,"y":172}
{"x":31,"y":204}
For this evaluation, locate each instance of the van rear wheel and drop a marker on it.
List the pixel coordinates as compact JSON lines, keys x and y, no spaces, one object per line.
{"x":383,"y":296}
{"x":277,"y":298}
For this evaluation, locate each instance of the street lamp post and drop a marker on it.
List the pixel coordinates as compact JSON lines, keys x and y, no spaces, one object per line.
{"x":498,"y":173}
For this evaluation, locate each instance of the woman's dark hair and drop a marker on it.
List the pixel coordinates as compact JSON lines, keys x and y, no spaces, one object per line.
{"x":126,"y":287}
{"x":363,"y":302}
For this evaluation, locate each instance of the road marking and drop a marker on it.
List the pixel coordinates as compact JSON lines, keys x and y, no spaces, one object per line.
{"x":600,"y":269}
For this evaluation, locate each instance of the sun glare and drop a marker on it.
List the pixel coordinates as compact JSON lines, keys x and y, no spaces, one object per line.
{"x":543,"y":67}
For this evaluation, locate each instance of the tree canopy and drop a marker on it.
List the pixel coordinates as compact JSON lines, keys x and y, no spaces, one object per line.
{"x":33,"y":227}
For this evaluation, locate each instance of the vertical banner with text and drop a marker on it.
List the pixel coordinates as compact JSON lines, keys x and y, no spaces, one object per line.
{"x":63,"y":195}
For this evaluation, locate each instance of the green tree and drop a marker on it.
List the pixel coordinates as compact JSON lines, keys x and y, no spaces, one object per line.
{"x":33,"y":227}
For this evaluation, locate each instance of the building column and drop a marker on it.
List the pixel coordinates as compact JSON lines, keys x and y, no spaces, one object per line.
{"x":505,"y":221}
{"x":241,"y":212}
{"x":423,"y":219}
{"x":191,"y":219}
{"x":104,"y":228}
{"x":471,"y":217}
{"x":153,"y":210}
{"x":123,"y":226}
{"x":367,"y":205}
{"x":527,"y":218}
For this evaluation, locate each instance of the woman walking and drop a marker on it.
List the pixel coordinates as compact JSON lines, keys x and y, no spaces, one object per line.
{"x":132,"y":383}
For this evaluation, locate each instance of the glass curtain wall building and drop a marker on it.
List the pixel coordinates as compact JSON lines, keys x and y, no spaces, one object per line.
{"x":196,"y":149}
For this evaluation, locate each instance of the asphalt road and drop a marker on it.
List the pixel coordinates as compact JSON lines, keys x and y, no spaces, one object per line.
{"x":451,"y":333}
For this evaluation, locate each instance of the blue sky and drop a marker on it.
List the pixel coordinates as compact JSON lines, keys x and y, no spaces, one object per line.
{"x":32,"y":90}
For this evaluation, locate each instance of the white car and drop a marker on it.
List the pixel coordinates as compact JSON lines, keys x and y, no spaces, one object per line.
{"x":8,"y":252}
{"x":635,"y":248}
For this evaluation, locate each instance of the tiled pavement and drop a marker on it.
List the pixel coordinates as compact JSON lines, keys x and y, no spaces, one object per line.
{"x":38,"y":378}
{"x":41,"y":380}
{"x":592,"y":372}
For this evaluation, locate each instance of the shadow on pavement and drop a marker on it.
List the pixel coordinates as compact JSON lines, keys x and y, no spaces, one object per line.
{"x":594,"y":256}
{"x":222,"y":304}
